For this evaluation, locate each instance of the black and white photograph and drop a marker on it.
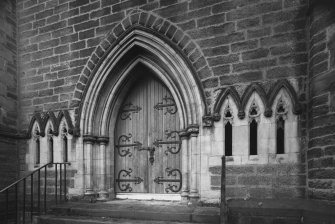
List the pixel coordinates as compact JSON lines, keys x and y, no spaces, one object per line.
{"x":167,"y":111}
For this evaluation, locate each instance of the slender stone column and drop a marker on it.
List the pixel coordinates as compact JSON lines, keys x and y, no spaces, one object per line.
{"x":88,"y":164}
{"x":193,"y":130}
{"x":103,"y":194}
{"x":184,"y":164}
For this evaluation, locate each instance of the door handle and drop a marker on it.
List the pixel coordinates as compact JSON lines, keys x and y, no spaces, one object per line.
{"x":151,"y":151}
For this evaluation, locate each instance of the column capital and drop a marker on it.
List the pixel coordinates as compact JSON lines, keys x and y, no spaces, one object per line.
{"x":208,"y":120}
{"x":103,"y":140}
{"x":89,"y":138}
{"x":193,"y":130}
{"x":183,"y":134}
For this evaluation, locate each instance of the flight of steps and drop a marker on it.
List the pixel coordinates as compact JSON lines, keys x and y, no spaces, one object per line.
{"x":127,"y":212}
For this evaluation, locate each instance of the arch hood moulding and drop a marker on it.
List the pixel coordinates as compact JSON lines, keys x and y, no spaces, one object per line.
{"x":140,"y":46}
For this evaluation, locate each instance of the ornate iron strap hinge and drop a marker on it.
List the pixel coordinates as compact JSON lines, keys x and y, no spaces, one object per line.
{"x":175,"y":149}
{"x":170,"y":105}
{"x":151,"y":151}
{"x":127,"y":187}
{"x":128,"y":109}
{"x":171,"y":187}
{"x":123,"y":139}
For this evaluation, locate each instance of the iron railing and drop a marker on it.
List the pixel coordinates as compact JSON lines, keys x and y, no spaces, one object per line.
{"x":223,"y":203}
{"x":15,"y":212}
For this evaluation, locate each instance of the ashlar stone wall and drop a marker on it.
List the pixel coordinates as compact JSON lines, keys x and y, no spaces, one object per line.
{"x":228,"y":43}
{"x":321,"y":146}
{"x":241,"y":41}
{"x":8,"y":92}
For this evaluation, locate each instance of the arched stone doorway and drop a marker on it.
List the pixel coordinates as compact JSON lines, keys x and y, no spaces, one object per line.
{"x":105,"y":96}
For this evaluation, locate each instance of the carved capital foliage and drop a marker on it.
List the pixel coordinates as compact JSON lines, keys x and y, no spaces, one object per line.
{"x":103,"y":140}
{"x":183,"y":134}
{"x":241,"y":114}
{"x":216,"y":117}
{"x":90,"y":139}
{"x":268,"y":112}
{"x":193,"y":130}
{"x":208,"y":120}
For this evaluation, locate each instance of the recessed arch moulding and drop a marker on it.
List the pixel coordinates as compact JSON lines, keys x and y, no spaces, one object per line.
{"x":138,"y":50}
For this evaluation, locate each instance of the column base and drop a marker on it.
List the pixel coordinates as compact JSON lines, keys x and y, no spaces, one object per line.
{"x":103,"y":196}
{"x":184,"y":195}
{"x":90,"y":195}
{"x":194,"y":197}
{"x":89,"y":191}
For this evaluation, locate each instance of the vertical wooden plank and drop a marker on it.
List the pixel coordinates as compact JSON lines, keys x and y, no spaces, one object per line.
{"x":146,"y":126}
{"x":152,"y":133}
{"x":160,"y":119}
{"x":165,"y":127}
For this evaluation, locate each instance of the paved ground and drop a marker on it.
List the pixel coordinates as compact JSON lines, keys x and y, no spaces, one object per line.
{"x":138,"y":205}
{"x":103,"y":220}
{"x":128,"y":212}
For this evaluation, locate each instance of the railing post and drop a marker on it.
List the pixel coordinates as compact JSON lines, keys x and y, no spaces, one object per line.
{"x":16,"y":209}
{"x":39,"y":192}
{"x":6,"y":206}
{"x":223,"y":205}
{"x":56,"y":174}
{"x":65,"y":182}
{"x":20,"y":215}
{"x":45,"y":189}
{"x":24,"y":201}
{"x":60,"y":182}
{"x":31,"y":197}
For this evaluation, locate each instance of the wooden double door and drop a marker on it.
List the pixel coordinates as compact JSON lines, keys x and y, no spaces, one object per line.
{"x":147,"y":144}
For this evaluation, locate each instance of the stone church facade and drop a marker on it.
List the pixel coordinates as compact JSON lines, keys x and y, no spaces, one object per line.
{"x":143,"y":97}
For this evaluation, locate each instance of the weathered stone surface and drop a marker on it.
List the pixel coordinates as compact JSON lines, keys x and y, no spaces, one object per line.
{"x":225,"y":44}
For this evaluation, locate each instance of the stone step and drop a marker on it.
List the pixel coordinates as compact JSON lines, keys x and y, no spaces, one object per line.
{"x":52,"y":219}
{"x":172,"y":212}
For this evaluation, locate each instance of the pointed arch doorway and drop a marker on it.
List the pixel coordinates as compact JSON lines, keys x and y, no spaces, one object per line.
{"x":103,"y":102}
{"x":147,"y":144}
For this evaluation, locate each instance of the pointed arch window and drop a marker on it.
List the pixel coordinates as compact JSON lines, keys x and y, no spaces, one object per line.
{"x":253,"y":128}
{"x":37,"y":150}
{"x":281,"y":115}
{"x":228,"y":119}
{"x":50,"y":146}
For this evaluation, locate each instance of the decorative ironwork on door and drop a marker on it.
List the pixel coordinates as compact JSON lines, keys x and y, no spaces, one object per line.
{"x":177,"y":182}
{"x":169,"y":104}
{"x":147,"y":140}
{"x":126,"y":140}
{"x":124,"y":184}
{"x":127,"y":110}
{"x":151,"y":151}
{"x":173,"y":146}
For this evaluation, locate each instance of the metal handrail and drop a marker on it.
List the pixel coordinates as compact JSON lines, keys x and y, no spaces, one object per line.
{"x":16,"y":182}
{"x":31,"y":175}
